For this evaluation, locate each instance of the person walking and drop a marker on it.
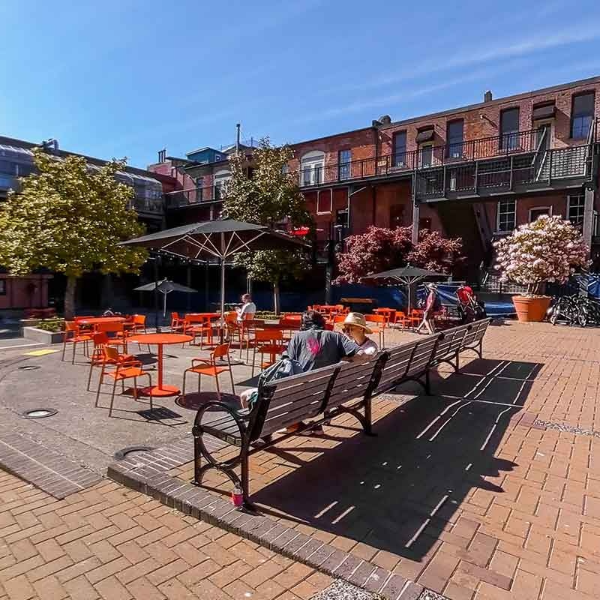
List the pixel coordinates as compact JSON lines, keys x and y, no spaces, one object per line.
{"x":432,"y":304}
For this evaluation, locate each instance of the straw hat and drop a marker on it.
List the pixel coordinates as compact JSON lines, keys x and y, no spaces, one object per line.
{"x":358,"y":320}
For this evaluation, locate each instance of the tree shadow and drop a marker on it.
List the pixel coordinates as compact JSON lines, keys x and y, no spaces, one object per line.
{"x":398,"y":490}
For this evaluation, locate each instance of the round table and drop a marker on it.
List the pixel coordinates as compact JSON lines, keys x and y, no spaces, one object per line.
{"x":160,"y":340}
{"x":99,"y":320}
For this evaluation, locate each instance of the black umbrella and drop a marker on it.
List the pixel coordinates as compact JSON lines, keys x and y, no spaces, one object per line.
{"x":220,"y":239}
{"x":407,"y":276}
{"x":165,"y":287}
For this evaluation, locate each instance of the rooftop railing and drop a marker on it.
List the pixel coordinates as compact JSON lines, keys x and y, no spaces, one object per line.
{"x":426,"y":157}
{"x":183,"y":198}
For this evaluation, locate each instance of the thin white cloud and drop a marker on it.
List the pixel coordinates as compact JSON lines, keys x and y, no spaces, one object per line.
{"x":543,"y":40}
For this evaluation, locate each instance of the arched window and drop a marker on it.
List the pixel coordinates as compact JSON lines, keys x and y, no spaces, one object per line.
{"x":312,"y":166}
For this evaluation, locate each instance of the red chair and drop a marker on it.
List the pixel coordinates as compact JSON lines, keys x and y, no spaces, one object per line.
{"x":198,"y":325}
{"x":138,"y":323}
{"x":99,"y":357}
{"x":267,"y":341}
{"x":203,"y":366}
{"x":124,"y":367}
{"x":73,"y":335}
{"x":118,"y":330}
{"x":177,"y":323}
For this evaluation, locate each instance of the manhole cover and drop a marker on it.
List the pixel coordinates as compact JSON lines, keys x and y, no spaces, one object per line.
{"x":39,"y":413}
{"x":121,"y":454}
{"x":29,"y":367}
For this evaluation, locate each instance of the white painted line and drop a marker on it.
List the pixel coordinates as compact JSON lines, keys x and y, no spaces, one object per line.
{"x":21,"y":346}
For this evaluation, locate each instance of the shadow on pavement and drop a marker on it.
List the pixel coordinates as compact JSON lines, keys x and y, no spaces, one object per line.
{"x":396,"y":491}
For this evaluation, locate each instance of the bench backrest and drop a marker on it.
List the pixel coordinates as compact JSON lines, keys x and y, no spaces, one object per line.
{"x":476,"y":333}
{"x":289,"y":400}
{"x":356,"y":380}
{"x":451,"y":341}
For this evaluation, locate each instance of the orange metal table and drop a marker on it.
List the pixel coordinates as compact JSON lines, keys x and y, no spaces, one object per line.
{"x":160,"y":340}
{"x":98,"y":320}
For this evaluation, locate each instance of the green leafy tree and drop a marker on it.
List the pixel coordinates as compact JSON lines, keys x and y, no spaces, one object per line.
{"x":69,"y":218}
{"x":271,"y":197}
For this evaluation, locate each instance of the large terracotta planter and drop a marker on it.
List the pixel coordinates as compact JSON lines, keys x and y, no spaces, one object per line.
{"x":531,"y":309}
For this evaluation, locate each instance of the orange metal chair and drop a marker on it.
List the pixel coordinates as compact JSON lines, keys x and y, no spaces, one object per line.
{"x":177,"y":323}
{"x":381,"y":324}
{"x":118,"y":331}
{"x":203,"y":366}
{"x":267,"y":341}
{"x":197,"y":325}
{"x":124,"y":367}
{"x":402,"y":319}
{"x":139,"y":323}
{"x":99,"y":357}
{"x":73,"y":335}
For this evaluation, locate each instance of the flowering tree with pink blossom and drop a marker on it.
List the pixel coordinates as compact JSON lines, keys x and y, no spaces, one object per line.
{"x":547,"y":250}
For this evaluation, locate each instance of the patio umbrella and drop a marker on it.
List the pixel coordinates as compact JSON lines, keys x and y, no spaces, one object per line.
{"x":220,"y":239}
{"x":165,"y":287}
{"x":407,"y":276}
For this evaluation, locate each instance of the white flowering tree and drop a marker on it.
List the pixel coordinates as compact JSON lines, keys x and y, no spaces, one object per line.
{"x":547,"y":250}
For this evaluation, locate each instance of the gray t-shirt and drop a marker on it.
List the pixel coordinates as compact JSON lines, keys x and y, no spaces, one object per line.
{"x":314,"y":349}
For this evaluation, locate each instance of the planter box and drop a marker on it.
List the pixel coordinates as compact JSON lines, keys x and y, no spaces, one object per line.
{"x":45,"y":337}
{"x":30,"y":322}
{"x":531,"y":309}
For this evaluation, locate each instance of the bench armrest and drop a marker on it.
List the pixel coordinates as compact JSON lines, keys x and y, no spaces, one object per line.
{"x":240,"y":419}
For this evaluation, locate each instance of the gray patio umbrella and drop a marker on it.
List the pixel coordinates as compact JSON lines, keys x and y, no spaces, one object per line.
{"x":407,"y":276}
{"x":221,"y":239}
{"x":165,"y":287}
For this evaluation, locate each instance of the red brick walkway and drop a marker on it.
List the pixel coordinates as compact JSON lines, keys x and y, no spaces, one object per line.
{"x":112,"y":543}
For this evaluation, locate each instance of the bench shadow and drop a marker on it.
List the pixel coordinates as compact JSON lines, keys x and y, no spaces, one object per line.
{"x":397,"y":491}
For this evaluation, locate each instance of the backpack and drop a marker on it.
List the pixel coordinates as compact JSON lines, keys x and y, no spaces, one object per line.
{"x":284,"y":367}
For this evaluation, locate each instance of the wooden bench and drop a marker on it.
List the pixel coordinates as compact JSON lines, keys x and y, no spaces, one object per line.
{"x":319,"y":395}
{"x":413,"y":361}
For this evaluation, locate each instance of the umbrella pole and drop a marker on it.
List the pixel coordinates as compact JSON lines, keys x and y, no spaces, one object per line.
{"x":165,"y":305}
{"x":222,"y":298}
{"x":156,"y":294}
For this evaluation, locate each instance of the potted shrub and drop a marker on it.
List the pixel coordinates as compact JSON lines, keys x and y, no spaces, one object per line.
{"x":547,"y":250}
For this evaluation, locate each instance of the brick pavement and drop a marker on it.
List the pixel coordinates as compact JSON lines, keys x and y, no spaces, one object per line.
{"x":463,"y":492}
{"x":112,"y":543}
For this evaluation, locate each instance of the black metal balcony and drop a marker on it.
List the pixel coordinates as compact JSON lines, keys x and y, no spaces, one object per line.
{"x":500,"y":153}
{"x":558,"y":168}
{"x":195,"y":196}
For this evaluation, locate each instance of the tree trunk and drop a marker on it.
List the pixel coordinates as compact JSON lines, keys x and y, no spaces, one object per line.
{"x":276,"y":303}
{"x":70,"y":298}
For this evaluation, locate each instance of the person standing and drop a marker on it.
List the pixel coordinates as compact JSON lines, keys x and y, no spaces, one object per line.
{"x":432,"y":304}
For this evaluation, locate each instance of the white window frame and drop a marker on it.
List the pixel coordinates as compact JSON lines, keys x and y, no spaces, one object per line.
{"x":568,"y":216}
{"x":312,"y":164}
{"x":328,"y":210}
{"x":220,"y":180}
{"x":501,"y":231}
{"x":548,"y":208}
{"x":538,"y":123}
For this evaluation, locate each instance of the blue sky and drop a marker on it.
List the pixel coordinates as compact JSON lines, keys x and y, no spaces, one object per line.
{"x":129,"y":77}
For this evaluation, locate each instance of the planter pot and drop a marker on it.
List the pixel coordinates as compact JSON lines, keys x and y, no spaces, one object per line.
{"x":39,"y":335}
{"x":531,"y":309}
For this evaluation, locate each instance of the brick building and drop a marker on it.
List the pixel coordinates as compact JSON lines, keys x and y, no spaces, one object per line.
{"x":476,"y":172}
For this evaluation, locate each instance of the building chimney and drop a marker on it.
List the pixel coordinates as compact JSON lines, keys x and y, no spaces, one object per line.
{"x":487,"y":97}
{"x":162,"y":155}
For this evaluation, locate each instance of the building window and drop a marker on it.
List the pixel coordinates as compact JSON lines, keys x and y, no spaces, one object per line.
{"x":222,"y":178}
{"x":536,"y":213}
{"x":425,"y":156}
{"x":582,"y":114}
{"x":344,"y":159}
{"x":312,"y":166}
{"x":399,"y":157}
{"x":509,"y":129}
{"x":575,"y":209}
{"x":454,"y":139}
{"x":324,"y":202}
{"x":2,"y":287}
{"x":507,"y":216}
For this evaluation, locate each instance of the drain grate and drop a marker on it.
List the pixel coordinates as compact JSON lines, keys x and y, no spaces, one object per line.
{"x":39,"y":413}
{"x":122,"y":454}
